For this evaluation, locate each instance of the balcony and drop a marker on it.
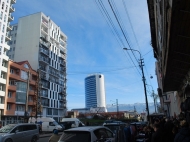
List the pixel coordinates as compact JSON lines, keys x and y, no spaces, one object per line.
{"x":7,"y":37}
{"x":5,"y":57}
{"x":31,"y":103}
{"x":12,"y":87}
{"x":44,"y":30}
{"x":10,"y":112}
{"x":31,"y":92}
{"x":11,"y":100}
{"x":2,"y":93}
{"x":6,"y":46}
{"x":1,"y":106}
{"x":14,"y":76}
{"x":62,"y":69}
{"x":44,"y":59}
{"x":10,"y":18}
{"x":44,"y":95}
{"x":9,"y":27}
{"x":167,"y":101}
{"x":44,"y":39}
{"x":11,"y":9}
{"x":13,"y":1}
{"x":45,"y":52}
{"x":2,"y":80}
{"x":45,"y":85}
{"x":62,"y":56}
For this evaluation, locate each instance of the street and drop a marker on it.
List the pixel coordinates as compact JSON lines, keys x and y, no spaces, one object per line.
{"x":44,"y":139}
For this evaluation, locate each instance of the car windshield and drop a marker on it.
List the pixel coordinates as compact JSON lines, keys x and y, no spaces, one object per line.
{"x":113,"y":128}
{"x":7,"y":128}
{"x":75,"y":136}
{"x":55,"y":123}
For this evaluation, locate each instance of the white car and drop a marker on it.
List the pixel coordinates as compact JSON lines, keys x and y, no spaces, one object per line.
{"x":88,"y":134}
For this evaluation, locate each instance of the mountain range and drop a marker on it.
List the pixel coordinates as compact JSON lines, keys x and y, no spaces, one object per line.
{"x":140,"y":107}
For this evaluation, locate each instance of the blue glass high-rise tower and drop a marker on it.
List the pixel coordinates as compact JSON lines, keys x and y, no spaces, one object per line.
{"x":95,"y":91}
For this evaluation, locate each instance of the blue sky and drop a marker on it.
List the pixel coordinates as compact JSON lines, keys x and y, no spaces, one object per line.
{"x":93,"y":48}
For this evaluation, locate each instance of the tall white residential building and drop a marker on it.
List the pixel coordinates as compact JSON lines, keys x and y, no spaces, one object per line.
{"x":95,"y":92}
{"x":39,"y":40}
{"x":6,"y":8}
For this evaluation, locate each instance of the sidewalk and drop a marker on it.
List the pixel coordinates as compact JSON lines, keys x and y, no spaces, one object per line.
{"x":48,"y":134}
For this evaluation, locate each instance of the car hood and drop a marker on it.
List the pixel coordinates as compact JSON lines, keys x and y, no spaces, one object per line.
{"x":2,"y":134}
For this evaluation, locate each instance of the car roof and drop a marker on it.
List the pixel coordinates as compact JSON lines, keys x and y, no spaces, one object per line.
{"x":86,"y":128}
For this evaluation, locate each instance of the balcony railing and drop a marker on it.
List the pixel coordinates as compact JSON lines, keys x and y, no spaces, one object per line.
{"x":44,"y":59}
{"x":11,"y":18}
{"x":44,"y":95}
{"x":9,"y":27}
{"x":13,"y":1}
{"x":12,"y":9}
{"x":8,"y":37}
{"x":45,"y":104}
{"x":46,"y":52}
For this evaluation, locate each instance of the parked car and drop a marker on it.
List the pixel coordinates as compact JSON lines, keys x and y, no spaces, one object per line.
{"x":22,"y":132}
{"x":88,"y":134}
{"x":114,"y":126}
{"x":71,"y":123}
{"x":48,"y":124}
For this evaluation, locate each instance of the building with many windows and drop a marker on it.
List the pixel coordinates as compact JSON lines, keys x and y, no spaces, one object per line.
{"x":21,"y":91}
{"x":6,"y":8}
{"x":40,"y":41}
{"x":95,"y":92}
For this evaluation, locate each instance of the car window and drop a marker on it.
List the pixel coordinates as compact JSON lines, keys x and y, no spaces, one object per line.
{"x":75,"y":136}
{"x":19,"y":128}
{"x":100,"y":133}
{"x":7,"y":128}
{"x":109,"y":134}
{"x":29,"y":127}
{"x":51,"y":124}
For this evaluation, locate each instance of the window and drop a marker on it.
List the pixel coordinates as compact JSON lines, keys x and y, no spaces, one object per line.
{"x":20,"y":107}
{"x":9,"y":94}
{"x":0,"y":49}
{"x":15,"y":34}
{"x":24,"y":75}
{"x":0,"y":25}
{"x":6,"y":8}
{"x":11,"y":71}
{"x":10,"y":49}
{"x":14,"y":41}
{"x":11,"y":82}
{"x":26,"y":66}
{"x":8,"y":106}
{"x":13,"y":56}
{"x":10,"y":42}
{"x":3,"y":29}
{"x":5,"y":18}
{"x":3,"y":5}
{"x":13,"y":48}
{"x":1,"y":15}
{"x":15,"y":27}
{"x":2,"y":38}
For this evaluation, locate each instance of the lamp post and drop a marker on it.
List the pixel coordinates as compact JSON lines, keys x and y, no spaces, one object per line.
{"x":153,"y":95}
{"x":143,"y":79}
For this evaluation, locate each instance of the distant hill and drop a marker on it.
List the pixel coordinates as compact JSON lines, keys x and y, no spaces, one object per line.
{"x":140,"y":107}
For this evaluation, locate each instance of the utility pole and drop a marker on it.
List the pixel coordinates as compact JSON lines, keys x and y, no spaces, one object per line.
{"x":26,"y":105}
{"x":154,"y":100}
{"x":143,"y":78}
{"x":117,"y":108}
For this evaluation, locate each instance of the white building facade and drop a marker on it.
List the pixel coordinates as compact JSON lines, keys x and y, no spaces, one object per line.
{"x":40,"y":41}
{"x":95,"y":92}
{"x":6,"y":9}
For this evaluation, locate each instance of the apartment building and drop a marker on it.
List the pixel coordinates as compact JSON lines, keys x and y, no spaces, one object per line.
{"x":21,"y":91}
{"x":6,"y":9}
{"x":40,"y":41}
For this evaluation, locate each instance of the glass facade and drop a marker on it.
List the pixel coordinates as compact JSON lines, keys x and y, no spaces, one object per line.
{"x":21,"y":92}
{"x":90,"y":92}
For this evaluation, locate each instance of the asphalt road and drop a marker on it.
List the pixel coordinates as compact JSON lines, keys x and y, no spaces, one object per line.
{"x":45,"y":139}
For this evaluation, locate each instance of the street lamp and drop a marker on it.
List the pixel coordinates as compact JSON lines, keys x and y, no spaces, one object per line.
{"x":153,"y":95}
{"x":143,"y":79}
